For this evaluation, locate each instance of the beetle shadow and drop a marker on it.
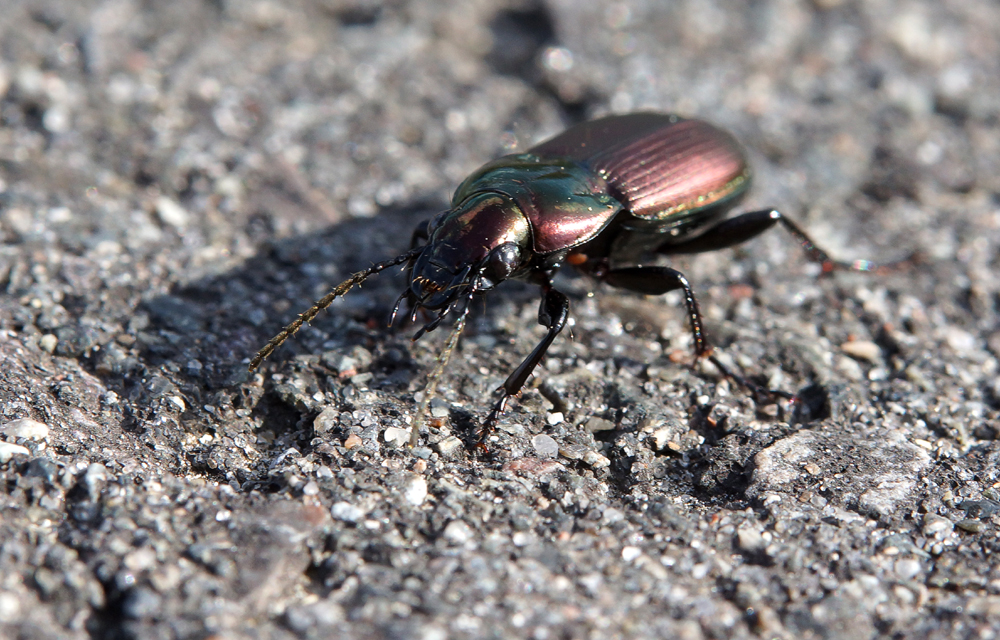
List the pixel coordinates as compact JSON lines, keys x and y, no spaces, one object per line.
{"x":195,"y":342}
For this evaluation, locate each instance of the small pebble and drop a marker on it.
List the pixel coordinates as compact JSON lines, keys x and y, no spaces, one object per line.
{"x":48,"y":342}
{"x":346,"y":512}
{"x":96,"y":474}
{"x":361,"y":379}
{"x":970,"y":525}
{"x":439,"y":408}
{"x":533,"y":466}
{"x":849,"y":368}
{"x":934,"y":524}
{"x":422,"y":454}
{"x":449,"y":446}
{"x":171,"y":212}
{"x":661,"y":437}
{"x":592,"y":583}
{"x":346,"y":367}
{"x":324,"y":472}
{"x":395,"y":435}
{"x":612,"y":515}
{"x":521,"y":538}
{"x":596,"y":460}
{"x":599,"y":424}
{"x":749,"y":539}
{"x":960,"y":340}
{"x":416,"y":491}
{"x":630,"y":553}
{"x":26,"y":428}
{"x":8,"y":451}
{"x":545,"y":446}
{"x":352,"y":441}
{"x":141,"y":559}
{"x":862,"y":350}
{"x":573,"y":451}
{"x":326,"y":420}
{"x":908,"y":568}
{"x":457,"y":532}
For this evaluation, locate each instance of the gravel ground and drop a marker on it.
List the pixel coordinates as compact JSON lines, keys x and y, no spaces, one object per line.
{"x":178,"y":179}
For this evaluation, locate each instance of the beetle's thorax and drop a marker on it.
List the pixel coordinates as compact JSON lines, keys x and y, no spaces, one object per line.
{"x":472,"y":247}
{"x":481,"y":223}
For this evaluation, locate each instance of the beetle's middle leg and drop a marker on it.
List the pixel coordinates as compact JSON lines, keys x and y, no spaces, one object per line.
{"x":418,"y":238}
{"x":421,"y":233}
{"x":552,"y":313}
{"x":654,"y":281}
{"x":659,"y":280}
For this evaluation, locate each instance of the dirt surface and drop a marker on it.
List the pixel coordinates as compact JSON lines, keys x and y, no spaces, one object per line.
{"x":178,"y":179}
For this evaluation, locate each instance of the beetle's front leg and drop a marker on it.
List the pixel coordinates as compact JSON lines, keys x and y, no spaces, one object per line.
{"x":552,"y":313}
{"x":420,"y":234}
{"x":418,"y":238}
{"x":659,"y":280}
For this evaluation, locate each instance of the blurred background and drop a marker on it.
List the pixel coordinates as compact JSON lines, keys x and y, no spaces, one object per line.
{"x":177,"y":179}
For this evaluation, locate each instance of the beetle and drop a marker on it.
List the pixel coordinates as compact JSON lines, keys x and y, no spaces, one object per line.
{"x":602,"y":196}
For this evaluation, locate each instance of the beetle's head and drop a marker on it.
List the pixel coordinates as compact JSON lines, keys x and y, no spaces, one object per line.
{"x":471,"y":249}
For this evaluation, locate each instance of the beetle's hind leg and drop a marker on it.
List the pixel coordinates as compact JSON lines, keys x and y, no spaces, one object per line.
{"x":746,"y":226}
{"x":659,"y":280}
{"x":552,"y":314}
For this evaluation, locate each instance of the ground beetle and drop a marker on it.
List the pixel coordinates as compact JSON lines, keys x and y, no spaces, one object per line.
{"x":601,"y":196}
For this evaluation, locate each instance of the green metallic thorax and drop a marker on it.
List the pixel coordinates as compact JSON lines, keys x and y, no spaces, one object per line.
{"x":566,"y":203}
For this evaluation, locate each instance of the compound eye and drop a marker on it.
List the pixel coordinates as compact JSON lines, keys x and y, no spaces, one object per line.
{"x":502,"y":262}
